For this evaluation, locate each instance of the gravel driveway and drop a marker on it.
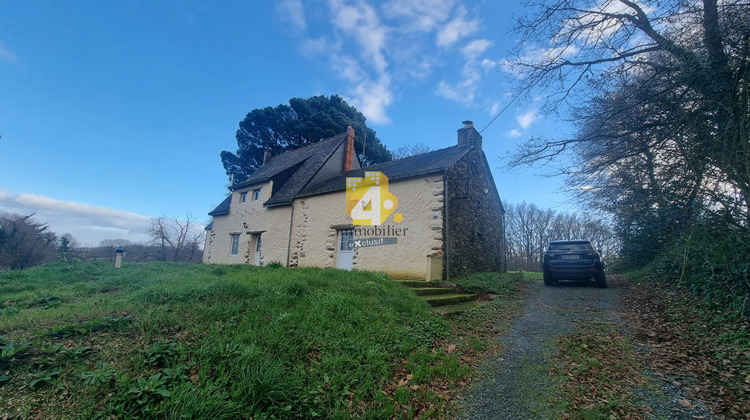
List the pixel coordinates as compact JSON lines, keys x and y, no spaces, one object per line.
{"x":514,"y":385}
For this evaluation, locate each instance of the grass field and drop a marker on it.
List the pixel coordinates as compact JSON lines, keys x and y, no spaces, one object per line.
{"x":157,"y":340}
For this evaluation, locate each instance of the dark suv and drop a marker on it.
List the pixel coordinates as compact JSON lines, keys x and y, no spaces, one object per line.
{"x":572,"y":260}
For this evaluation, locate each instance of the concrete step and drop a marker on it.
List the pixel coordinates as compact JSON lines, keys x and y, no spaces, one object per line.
{"x":442,"y":300}
{"x":428,"y":291}
{"x":449,"y":311}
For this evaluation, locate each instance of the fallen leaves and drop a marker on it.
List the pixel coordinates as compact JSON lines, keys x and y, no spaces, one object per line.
{"x":699,"y":351}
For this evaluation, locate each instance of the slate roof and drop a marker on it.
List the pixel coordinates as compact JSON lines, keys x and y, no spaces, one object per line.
{"x":426,"y":163}
{"x":222,"y":208}
{"x":309,"y":159}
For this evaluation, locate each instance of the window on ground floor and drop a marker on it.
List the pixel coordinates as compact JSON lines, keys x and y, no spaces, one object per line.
{"x":235,"y":246}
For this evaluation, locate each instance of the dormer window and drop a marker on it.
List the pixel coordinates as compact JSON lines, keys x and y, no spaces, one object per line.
{"x":243,"y":197}
{"x":256,"y":195}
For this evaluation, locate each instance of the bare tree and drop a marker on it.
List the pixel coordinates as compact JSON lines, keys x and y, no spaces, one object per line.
{"x":653,"y":82}
{"x":177,"y":239}
{"x":529,"y":230}
{"x":410,"y":150}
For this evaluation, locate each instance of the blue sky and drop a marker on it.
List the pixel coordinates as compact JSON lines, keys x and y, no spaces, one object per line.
{"x":115,"y":112}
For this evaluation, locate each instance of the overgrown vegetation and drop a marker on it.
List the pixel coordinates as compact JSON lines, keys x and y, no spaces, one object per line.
{"x":658,"y":95}
{"x":156,"y":340}
{"x":24,"y":242}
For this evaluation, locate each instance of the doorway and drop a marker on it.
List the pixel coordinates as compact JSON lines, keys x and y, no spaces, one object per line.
{"x":345,"y":256}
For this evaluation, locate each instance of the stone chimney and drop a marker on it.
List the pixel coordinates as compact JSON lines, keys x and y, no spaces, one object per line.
{"x":468,"y":136}
{"x":266,"y":156}
{"x":349,"y":152}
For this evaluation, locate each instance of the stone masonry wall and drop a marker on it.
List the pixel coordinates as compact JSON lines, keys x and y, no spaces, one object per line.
{"x":420,"y":201}
{"x":475,"y":217}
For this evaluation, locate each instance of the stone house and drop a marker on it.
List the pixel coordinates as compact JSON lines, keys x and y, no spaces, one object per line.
{"x":293,"y":210}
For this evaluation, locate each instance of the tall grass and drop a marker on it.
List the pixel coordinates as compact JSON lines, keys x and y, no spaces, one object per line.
{"x":203,"y":341}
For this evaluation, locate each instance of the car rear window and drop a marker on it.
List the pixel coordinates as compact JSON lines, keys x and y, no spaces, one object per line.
{"x":570,"y":246}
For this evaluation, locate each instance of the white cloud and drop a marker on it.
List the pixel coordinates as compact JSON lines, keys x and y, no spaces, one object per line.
{"x":465,"y":91}
{"x":449,"y":92}
{"x":374,"y":49}
{"x":488,"y":64}
{"x":361,"y":22}
{"x":373,"y":99}
{"x":514,"y":133}
{"x":348,"y":68}
{"x":294,"y":12}
{"x":314,"y":47}
{"x":7,"y":54}
{"x":526,"y":119}
{"x":88,"y":224}
{"x":475,"y":48}
{"x":420,"y":15}
{"x":494,"y":108}
{"x":459,"y":27}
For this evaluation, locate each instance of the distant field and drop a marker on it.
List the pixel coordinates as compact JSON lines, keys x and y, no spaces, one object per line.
{"x":155,"y":340}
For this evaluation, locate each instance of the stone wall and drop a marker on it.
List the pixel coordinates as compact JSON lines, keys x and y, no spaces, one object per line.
{"x":420,"y":201}
{"x":475,"y":218}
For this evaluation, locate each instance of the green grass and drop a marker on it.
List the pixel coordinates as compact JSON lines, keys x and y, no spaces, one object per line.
{"x":502,"y":284}
{"x":159,"y":340}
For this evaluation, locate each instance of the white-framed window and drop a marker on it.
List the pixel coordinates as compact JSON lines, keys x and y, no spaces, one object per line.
{"x":256,"y":195}
{"x":243,"y":197}
{"x":235,"y":250}
{"x":257,"y":244}
{"x":347,"y":235}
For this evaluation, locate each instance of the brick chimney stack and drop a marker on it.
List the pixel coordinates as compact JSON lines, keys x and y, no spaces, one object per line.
{"x":468,"y":136}
{"x":266,"y":156}
{"x":349,"y":152}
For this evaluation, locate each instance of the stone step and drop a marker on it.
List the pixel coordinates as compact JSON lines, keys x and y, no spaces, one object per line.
{"x":428,"y":291}
{"x":442,"y":300}
{"x":449,"y":311}
{"x":412,"y":283}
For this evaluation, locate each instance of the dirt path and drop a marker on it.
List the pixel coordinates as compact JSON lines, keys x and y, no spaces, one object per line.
{"x":517,"y":384}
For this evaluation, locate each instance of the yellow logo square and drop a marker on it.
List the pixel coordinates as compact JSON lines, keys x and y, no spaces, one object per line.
{"x":368,"y":200}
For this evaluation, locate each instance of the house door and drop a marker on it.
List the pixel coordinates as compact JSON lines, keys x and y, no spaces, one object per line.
{"x":346,"y":249}
{"x":256,"y":257}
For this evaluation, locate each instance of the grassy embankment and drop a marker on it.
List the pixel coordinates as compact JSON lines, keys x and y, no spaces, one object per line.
{"x":169,"y":340}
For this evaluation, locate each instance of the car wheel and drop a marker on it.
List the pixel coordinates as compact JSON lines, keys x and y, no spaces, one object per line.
{"x":548,"y":280}
{"x":601,"y":281}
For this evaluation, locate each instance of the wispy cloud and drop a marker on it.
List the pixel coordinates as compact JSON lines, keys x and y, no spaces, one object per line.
{"x":514,"y":133}
{"x":420,"y":15}
{"x":361,"y":22}
{"x":372,"y":98}
{"x":494,"y":108}
{"x":465,"y":91}
{"x":7,"y":54}
{"x":377,"y":49}
{"x":294,"y":12}
{"x":527,"y":118}
{"x":88,"y":224}
{"x":458,"y":28}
